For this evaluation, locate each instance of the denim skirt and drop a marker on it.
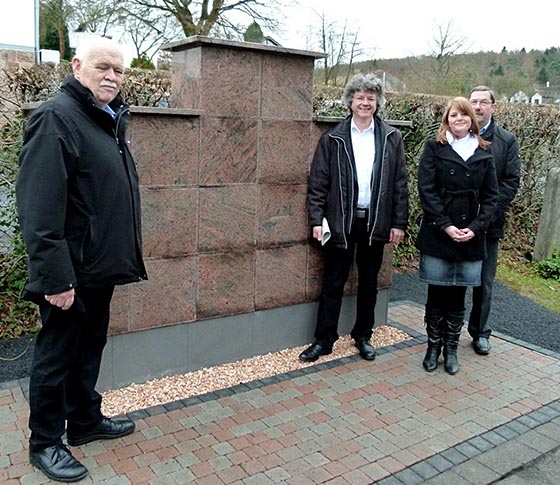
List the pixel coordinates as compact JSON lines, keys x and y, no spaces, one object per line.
{"x":437,"y":271}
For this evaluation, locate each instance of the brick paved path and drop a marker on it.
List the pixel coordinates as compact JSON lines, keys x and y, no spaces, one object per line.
{"x":345,"y":421}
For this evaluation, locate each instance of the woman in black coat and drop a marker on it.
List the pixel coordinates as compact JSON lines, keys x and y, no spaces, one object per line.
{"x":458,"y":191}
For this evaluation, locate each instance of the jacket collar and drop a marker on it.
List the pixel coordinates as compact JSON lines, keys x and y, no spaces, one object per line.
{"x":489,"y":133}
{"x":78,"y":91}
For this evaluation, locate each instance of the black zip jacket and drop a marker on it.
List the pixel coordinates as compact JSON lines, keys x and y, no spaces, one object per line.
{"x":333,"y":184}
{"x":78,"y":195}
{"x":507,"y":161}
{"x":455,"y":192}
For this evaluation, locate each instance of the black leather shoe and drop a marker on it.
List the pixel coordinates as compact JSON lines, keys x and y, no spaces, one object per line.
{"x":312,"y":353}
{"x":57,"y":463}
{"x":367,"y":351}
{"x":481,"y":346}
{"x":106,"y":429}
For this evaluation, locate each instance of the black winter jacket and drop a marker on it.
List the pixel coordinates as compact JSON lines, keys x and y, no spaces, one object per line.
{"x":455,"y":192}
{"x":333,"y":184}
{"x":78,"y":195}
{"x":505,"y":152}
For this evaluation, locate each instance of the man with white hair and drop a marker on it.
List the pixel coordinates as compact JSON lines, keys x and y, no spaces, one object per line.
{"x":79,"y":210}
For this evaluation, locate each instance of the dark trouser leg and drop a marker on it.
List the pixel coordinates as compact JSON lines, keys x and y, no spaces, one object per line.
{"x":336,"y":270}
{"x":83,"y":402}
{"x":66,"y":366}
{"x":482,"y":295}
{"x":368,"y":260}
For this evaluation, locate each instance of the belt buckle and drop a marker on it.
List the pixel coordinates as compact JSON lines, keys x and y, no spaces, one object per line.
{"x":361,"y":213}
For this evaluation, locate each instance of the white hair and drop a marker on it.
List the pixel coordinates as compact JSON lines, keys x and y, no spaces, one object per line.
{"x":84,"y":50}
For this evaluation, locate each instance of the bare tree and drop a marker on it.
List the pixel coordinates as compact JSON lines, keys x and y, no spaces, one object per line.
{"x":341,"y":47}
{"x":446,"y":45}
{"x":99,"y":16}
{"x":202,"y":17}
{"x":147,"y":30}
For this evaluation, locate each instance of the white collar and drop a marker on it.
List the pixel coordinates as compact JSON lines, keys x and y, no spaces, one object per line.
{"x":465,"y":146}
{"x":353,"y":126}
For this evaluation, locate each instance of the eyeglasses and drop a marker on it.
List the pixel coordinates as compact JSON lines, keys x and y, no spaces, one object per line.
{"x":485,"y":103}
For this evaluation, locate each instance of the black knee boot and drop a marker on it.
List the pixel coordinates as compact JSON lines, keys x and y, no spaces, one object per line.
{"x":455,"y":320}
{"x":434,"y":319}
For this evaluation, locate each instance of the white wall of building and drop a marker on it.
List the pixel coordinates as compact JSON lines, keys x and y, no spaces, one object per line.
{"x":17,"y":23}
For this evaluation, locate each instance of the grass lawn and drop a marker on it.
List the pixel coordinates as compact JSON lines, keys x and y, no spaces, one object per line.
{"x":521,"y":277}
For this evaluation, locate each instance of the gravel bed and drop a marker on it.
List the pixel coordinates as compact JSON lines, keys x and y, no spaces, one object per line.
{"x":176,"y":387}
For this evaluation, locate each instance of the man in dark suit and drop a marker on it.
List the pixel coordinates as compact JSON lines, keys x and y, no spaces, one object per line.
{"x":505,"y":151}
{"x":79,"y":210}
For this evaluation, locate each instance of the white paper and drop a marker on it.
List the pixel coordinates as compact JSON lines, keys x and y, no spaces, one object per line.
{"x":326,"y":232}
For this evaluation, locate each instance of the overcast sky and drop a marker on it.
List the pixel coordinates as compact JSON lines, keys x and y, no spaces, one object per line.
{"x":385,"y":29}
{"x":399,"y":28}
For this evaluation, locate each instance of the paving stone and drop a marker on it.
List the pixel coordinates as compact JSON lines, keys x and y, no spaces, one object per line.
{"x":440,"y":463}
{"x":454,"y":456}
{"x":476,"y":472}
{"x":537,"y":441}
{"x":425,"y":469}
{"x":507,"y":457}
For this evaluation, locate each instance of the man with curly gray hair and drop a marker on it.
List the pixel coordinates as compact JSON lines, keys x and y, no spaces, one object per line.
{"x":358,"y":189}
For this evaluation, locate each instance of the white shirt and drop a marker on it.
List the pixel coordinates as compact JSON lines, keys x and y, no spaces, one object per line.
{"x":363,"y":144}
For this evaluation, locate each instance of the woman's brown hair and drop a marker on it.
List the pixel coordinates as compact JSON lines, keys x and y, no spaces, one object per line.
{"x":463,"y":105}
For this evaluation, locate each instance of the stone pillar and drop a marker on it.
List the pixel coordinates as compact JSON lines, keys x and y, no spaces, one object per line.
{"x":256,"y":105}
{"x":548,"y":234}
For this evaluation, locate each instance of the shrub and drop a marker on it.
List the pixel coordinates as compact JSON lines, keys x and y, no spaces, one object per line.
{"x":549,"y":268}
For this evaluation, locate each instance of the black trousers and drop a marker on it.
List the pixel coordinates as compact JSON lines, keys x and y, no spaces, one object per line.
{"x":65,"y":366}
{"x":479,"y":326}
{"x":338,"y":263}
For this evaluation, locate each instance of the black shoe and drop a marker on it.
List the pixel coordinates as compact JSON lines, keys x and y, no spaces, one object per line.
{"x":106,"y":429}
{"x":482,"y":346}
{"x":367,"y":351}
{"x":312,"y":353}
{"x":57,"y":463}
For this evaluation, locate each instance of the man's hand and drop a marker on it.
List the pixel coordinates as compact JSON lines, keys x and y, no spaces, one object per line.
{"x":396,"y":236}
{"x":62,"y":300}
{"x":318,"y":233}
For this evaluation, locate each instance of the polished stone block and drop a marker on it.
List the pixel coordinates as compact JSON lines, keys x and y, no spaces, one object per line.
{"x":314,"y":277}
{"x":287,"y":87}
{"x":284,"y":153}
{"x":282,"y":214}
{"x":227,"y":218}
{"x":228,"y":151}
{"x":231,"y":83}
{"x":120,"y":310}
{"x":280,"y":276}
{"x":186,"y":75}
{"x":226,"y":284}
{"x":169,"y":295}
{"x":169,"y":221}
{"x":165,"y":148}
